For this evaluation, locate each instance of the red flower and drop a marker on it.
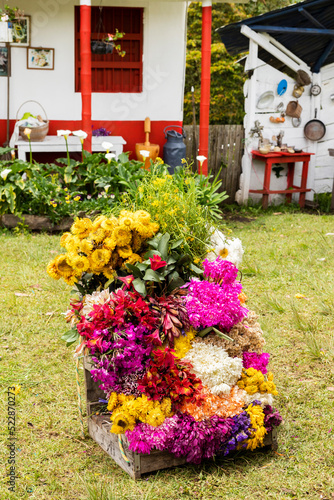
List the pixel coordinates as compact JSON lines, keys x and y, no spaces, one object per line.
{"x":156,"y":262}
{"x":127,"y":280}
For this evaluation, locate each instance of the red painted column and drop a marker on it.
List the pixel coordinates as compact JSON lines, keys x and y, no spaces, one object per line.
{"x":205,"y":82}
{"x":86,"y":71}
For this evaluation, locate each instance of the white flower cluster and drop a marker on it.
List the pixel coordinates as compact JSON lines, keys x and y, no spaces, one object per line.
{"x":95,"y":298}
{"x":217,"y":370}
{"x":228,"y":249}
{"x":265,"y":399}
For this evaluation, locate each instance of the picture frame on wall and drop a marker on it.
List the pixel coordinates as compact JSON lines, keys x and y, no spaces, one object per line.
{"x":21,"y":32}
{"x":4,"y":61}
{"x":40,"y":58}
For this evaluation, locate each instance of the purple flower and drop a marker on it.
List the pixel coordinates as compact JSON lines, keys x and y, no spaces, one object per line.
{"x":272,"y":418}
{"x":220,"y":271}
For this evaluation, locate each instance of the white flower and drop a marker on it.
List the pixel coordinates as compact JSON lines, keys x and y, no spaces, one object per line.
{"x":144,"y":153}
{"x":24,"y":176}
{"x":64,"y":133}
{"x":5,"y":172}
{"x":265,"y":399}
{"x":201,"y":159}
{"x":81,"y":134}
{"x":110,"y":156}
{"x":4,"y":18}
{"x":107,"y":145}
{"x":95,"y":298}
{"x":228,"y":249}
{"x":214,"y":367}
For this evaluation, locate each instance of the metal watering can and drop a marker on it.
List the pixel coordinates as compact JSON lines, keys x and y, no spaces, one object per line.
{"x":174,"y":148}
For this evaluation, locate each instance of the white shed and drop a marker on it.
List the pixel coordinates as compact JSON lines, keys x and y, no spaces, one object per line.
{"x":299,"y":37}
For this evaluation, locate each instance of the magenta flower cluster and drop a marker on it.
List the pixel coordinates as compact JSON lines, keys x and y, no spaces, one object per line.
{"x":213,"y":304}
{"x":272,"y":418}
{"x":183,"y":436}
{"x":126,"y":363}
{"x":220,"y":271}
{"x":257,"y":361}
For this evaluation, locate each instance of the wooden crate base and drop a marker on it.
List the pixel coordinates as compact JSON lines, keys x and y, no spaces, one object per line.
{"x":137,"y":463}
{"x":140,"y":463}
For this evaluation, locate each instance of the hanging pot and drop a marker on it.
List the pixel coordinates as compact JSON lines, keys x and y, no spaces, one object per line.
{"x":314,"y":130}
{"x":101,"y":47}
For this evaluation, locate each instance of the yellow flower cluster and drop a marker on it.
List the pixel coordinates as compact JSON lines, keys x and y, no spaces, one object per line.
{"x":256,"y":416}
{"x":253,"y":381}
{"x":102,"y":245}
{"x":127,"y":411}
{"x":182,"y":344}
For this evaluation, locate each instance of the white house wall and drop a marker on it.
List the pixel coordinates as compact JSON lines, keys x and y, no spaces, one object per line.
{"x":53,"y":27}
{"x":320,"y":177}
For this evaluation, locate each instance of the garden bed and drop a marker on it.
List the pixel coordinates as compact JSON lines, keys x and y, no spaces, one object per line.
{"x":35,"y":222}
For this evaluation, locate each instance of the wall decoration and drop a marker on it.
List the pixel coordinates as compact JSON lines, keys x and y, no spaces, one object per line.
{"x":4,"y":61}
{"x":40,"y":58}
{"x":21,"y":29}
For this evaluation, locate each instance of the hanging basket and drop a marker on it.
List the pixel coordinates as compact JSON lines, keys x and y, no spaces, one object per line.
{"x":37,"y":134}
{"x":101,"y":47}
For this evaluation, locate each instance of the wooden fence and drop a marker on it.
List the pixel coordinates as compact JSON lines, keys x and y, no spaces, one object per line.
{"x":225,"y":153}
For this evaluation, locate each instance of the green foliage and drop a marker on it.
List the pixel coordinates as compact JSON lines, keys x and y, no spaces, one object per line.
{"x":185,"y":204}
{"x":323,"y":201}
{"x":227,"y":76}
{"x":170,"y":267}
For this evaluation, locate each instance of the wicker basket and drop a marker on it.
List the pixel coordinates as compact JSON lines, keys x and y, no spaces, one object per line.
{"x":294,"y":109}
{"x":37,"y":134}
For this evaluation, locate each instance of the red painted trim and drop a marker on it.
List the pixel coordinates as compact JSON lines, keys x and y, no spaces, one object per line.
{"x":131,"y":131}
{"x":205,"y":86}
{"x":86,"y":73}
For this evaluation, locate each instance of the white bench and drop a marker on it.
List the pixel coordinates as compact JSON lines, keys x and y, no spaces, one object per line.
{"x":55,"y":144}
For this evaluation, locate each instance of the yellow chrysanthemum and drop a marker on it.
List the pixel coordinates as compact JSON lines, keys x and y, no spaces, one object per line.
{"x":155,"y":417}
{"x":122,"y":235}
{"x":134,"y":258}
{"x":110,"y":243}
{"x":98,"y":222}
{"x":71,"y":279}
{"x":52,"y":270}
{"x":98,"y":235}
{"x":125,"y":251}
{"x":122,"y":422}
{"x":63,"y":266}
{"x":100,"y":257}
{"x":126,"y":222}
{"x":72,"y":243}
{"x":113,"y":401}
{"x":86,"y":247}
{"x":64,"y":238}
{"x":142,"y":216}
{"x":81,"y":227}
{"x":109,"y":224}
{"x":137,"y":241}
{"x":108,"y":272}
{"x":182,"y":344}
{"x":80,"y":264}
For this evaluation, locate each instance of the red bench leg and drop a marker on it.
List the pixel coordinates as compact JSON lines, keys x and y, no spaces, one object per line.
{"x":266,"y":183}
{"x":291,"y":173}
{"x":303,"y":183}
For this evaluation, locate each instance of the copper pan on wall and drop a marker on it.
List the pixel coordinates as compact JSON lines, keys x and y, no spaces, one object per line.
{"x":315,"y":130}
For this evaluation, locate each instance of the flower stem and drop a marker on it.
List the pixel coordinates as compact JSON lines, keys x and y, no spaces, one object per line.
{"x":30,"y":150}
{"x":68,"y":154}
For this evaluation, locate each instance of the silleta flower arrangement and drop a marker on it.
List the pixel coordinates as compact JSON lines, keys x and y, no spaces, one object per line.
{"x":177,"y":353}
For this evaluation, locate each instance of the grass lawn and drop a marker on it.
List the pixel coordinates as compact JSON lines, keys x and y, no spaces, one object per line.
{"x":286,"y":255}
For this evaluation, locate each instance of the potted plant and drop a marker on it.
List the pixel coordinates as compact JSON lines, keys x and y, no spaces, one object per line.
{"x":107,"y":45}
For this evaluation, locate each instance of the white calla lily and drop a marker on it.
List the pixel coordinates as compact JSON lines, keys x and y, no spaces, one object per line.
{"x":107,"y":146}
{"x":110,"y":156}
{"x":64,"y":133}
{"x":80,"y":133}
{"x":144,"y":153}
{"x":4,"y":173}
{"x":201,"y":159}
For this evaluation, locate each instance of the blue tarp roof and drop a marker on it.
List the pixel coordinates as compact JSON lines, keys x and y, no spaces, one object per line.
{"x":309,"y":48}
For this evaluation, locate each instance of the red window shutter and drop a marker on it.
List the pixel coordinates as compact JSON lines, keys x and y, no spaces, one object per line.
{"x":110,"y":72}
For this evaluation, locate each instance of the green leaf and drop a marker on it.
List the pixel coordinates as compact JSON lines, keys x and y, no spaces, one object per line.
{"x":151,"y":253}
{"x":151,"y":275}
{"x":163,"y":245}
{"x":171,"y":260}
{"x":135,"y":271}
{"x":142,"y":267}
{"x":184,"y":260}
{"x":139,"y":286}
{"x":221,"y":334}
{"x":177,"y":243}
{"x":204,"y":332}
{"x":175,"y":282}
{"x":70,"y":337}
{"x":11,"y":196}
{"x":196,"y":269}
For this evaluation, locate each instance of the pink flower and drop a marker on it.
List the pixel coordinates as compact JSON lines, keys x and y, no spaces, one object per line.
{"x":110,"y":36}
{"x":156,"y":262}
{"x":127,"y":280}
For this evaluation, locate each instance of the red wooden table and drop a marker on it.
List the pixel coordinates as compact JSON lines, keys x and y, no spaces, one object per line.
{"x":289,"y":158}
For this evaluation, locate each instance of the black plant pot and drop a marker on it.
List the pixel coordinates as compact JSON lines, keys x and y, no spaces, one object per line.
{"x":101,"y":47}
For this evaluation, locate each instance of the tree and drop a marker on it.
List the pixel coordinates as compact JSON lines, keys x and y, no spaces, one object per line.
{"x":227,"y":76}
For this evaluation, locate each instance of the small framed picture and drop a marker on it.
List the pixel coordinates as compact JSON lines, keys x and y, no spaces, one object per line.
{"x":40,"y":58}
{"x":21,"y":29}
{"x":4,"y":61}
